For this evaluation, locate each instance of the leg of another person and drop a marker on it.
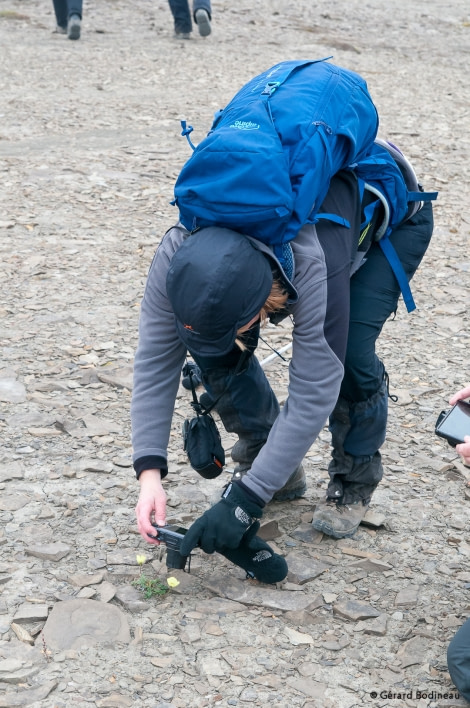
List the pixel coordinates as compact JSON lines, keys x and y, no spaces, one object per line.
{"x":458,"y":660}
{"x":74,"y":19}
{"x":61,"y":13}
{"x":181,"y":16}
{"x":202,"y":16}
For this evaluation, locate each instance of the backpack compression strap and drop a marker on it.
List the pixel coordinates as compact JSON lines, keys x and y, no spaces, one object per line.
{"x":391,"y":255}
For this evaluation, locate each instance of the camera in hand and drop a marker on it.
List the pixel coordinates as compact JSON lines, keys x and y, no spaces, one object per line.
{"x":172,"y":536}
{"x":454,"y":425}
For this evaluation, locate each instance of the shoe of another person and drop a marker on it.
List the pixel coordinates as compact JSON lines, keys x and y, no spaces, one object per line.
{"x":74,"y":27}
{"x":338,"y":520}
{"x":203,"y":22}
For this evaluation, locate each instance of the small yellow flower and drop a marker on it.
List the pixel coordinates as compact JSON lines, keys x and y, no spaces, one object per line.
{"x":141,"y":559}
{"x":172,"y":582}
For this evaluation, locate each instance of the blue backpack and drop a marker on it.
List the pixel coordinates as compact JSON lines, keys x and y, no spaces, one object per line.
{"x":265,"y":166}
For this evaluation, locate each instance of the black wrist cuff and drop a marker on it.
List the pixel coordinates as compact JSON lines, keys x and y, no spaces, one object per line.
{"x":151,"y":462}
{"x":252,"y":496}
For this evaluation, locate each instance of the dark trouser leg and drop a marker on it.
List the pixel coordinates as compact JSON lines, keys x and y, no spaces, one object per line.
{"x":358,"y":422}
{"x":458,"y":660}
{"x":61,"y":12}
{"x":181,"y":16}
{"x":75,"y":7}
{"x":354,"y":477}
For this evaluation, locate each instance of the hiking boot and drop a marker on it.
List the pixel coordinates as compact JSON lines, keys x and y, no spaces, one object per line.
{"x":60,"y":30}
{"x":203,"y":22}
{"x":182,"y":35}
{"x":74,"y":27}
{"x":338,"y":520}
{"x":295,"y":487}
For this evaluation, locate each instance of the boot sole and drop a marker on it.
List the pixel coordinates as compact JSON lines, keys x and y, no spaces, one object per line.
{"x":74,"y":32}
{"x":203,"y":23}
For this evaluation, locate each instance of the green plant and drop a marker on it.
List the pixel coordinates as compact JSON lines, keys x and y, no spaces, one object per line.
{"x":150,"y":587}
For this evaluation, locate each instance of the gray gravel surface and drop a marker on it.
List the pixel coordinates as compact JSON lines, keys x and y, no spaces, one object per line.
{"x":90,"y":147}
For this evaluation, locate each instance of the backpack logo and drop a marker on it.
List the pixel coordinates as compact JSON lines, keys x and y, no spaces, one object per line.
{"x":245,"y":125}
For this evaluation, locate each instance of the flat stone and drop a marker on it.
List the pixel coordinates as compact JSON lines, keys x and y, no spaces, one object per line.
{"x":373,"y":519}
{"x":76,"y":624}
{"x":122,"y":461}
{"x":96,"y":427}
{"x":82,"y":580}
{"x":123,"y":557}
{"x":219,"y":606}
{"x":106,"y":591}
{"x":10,"y":471}
{"x":13,"y":502}
{"x":353,"y":610}
{"x":31,"y":613}
{"x":269,"y":530}
{"x":131,"y":598}
{"x":336,"y":645}
{"x":115,"y":700}
{"x":303,"y":569}
{"x":17,"y":671}
{"x":312,"y":689}
{"x":306,"y":533}
{"x":48,"y":551}
{"x":161,"y":662}
{"x":121,"y":377}
{"x":191,"y":634}
{"x":22,"y":634}
{"x":27,"y":697}
{"x":249,"y":593}
{"x":372,"y":565}
{"x":296,"y":638}
{"x":376,"y":626}
{"x":95,"y":465}
{"x":407,"y":596}
{"x":268,"y":680}
{"x":413,"y":651}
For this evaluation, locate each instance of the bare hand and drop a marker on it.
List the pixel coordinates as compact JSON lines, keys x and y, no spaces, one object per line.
{"x":460,"y":395}
{"x":151,"y":504}
{"x":464,"y":450}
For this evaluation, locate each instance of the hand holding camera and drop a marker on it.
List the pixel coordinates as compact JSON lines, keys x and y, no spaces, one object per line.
{"x":454,"y":425}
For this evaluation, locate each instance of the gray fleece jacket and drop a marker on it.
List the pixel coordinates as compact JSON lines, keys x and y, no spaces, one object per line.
{"x":323,"y":257}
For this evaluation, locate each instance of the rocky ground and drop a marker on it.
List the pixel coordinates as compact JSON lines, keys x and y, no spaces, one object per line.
{"x":89,"y":151}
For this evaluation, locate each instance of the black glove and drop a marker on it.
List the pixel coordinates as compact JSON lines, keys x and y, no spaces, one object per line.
{"x":224,"y":524}
{"x":257,"y":558}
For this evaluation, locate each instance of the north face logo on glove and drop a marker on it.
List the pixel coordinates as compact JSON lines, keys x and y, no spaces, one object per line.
{"x":262,"y":556}
{"x":242,"y":516}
